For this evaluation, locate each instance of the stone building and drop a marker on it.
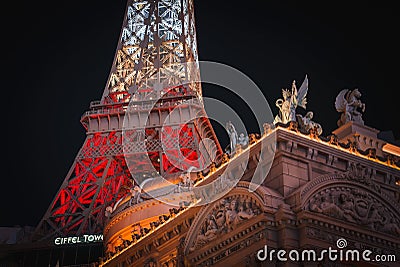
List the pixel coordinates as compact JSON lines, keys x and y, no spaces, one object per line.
{"x":289,"y":192}
{"x":288,"y":196}
{"x":320,"y":191}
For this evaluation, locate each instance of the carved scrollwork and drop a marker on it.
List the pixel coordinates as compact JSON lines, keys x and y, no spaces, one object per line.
{"x":361,"y":174}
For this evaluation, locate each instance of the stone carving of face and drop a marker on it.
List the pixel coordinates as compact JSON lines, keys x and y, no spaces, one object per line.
{"x":233,"y":205}
{"x":343,"y":197}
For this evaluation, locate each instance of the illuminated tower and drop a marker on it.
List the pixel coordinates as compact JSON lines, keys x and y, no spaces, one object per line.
{"x":150,"y":120}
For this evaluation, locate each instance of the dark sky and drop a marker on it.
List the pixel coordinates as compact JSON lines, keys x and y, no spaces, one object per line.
{"x":57,"y":56}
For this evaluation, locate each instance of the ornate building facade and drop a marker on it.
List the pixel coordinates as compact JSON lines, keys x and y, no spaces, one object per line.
{"x":315,"y":192}
{"x":318,"y":191}
{"x":287,"y":196}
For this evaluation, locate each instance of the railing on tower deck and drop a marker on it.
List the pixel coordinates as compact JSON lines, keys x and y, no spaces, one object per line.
{"x":103,"y":111}
{"x":96,"y":108}
{"x":95,"y":103}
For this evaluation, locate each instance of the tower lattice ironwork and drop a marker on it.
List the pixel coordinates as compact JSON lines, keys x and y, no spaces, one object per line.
{"x":153,"y":88}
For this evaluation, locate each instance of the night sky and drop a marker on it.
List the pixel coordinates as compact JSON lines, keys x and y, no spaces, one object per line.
{"x":57,"y":56}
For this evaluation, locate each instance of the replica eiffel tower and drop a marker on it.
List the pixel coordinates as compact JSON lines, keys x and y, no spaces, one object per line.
{"x":154,"y":88}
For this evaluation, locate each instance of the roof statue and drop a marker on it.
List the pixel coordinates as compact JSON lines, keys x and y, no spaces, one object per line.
{"x":233,"y":137}
{"x":291,"y":100}
{"x":287,"y":109}
{"x":243,"y":140}
{"x":349,"y":104}
{"x":307,"y":124}
{"x":136,"y":195}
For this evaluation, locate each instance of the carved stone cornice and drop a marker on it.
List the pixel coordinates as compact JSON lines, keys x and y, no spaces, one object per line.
{"x":288,"y":141}
{"x":252,"y":232}
{"x":320,"y":232}
{"x":307,"y":219}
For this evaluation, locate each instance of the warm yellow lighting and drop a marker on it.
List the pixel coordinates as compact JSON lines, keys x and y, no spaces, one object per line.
{"x":340,"y":148}
{"x":394,"y":150}
{"x":391,"y":149}
{"x":149,"y":233}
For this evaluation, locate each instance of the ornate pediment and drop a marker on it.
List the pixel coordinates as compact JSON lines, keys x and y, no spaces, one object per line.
{"x":353,"y":197}
{"x":221,"y":218}
{"x":355,"y":206}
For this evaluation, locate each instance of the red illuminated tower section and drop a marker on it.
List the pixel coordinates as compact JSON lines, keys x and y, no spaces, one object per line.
{"x":150,"y":120}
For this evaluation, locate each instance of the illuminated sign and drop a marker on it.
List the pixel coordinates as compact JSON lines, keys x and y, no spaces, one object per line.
{"x":78,"y":239}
